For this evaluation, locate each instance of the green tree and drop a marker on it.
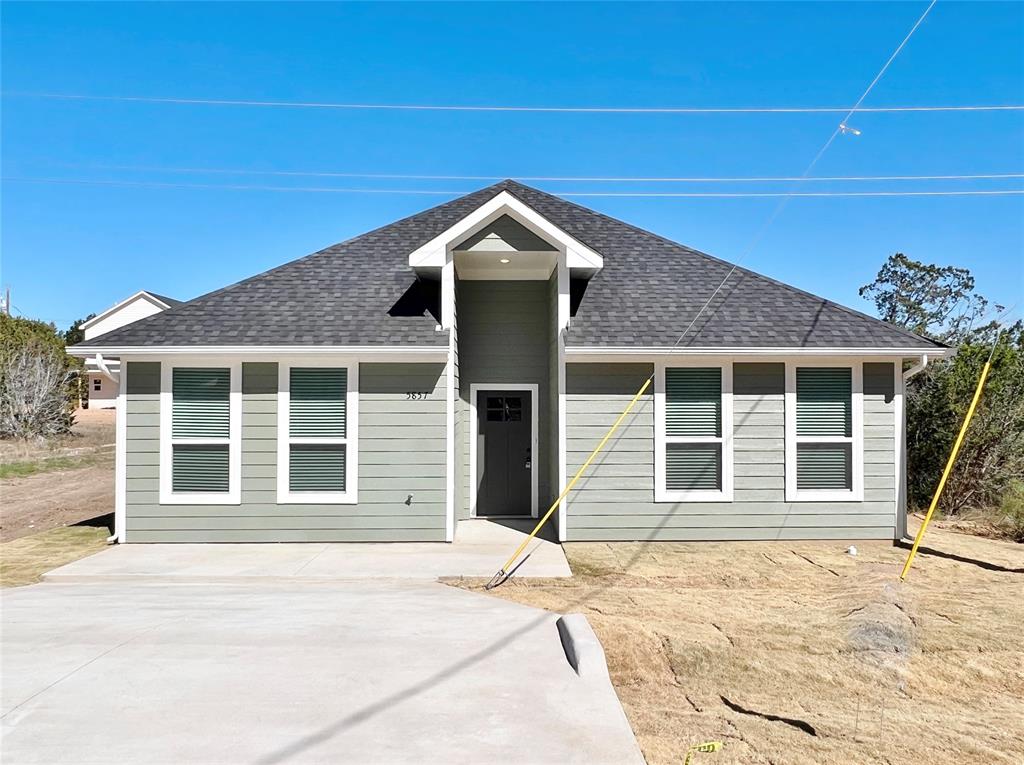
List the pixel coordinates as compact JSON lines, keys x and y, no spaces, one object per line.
{"x":75,"y":334}
{"x":72,"y":336}
{"x":38,"y":381}
{"x":940,"y":302}
{"x":935,"y":301}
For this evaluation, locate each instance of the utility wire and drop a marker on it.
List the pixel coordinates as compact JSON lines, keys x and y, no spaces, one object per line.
{"x":506,"y":571}
{"x":840,"y":128}
{"x":542,"y":109}
{"x":534,"y":178}
{"x":454,"y":192}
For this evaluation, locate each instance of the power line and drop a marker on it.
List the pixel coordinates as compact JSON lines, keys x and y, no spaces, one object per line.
{"x":451,"y":192}
{"x":840,"y":128}
{"x":539,"y":109}
{"x":547,"y":178}
{"x":506,"y":571}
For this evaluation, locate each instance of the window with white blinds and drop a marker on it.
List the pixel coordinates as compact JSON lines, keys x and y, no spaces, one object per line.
{"x":693,"y":435}
{"x":822,"y":428}
{"x":200,"y":429}
{"x":199,"y":435}
{"x":315,"y":439}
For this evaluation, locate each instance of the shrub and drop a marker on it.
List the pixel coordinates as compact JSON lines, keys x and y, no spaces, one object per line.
{"x":1013,"y":511}
{"x":38,"y":380}
{"x":992,"y":455}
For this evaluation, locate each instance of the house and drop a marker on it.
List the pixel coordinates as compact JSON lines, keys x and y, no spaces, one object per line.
{"x":103,"y":370}
{"x":464,"y":361}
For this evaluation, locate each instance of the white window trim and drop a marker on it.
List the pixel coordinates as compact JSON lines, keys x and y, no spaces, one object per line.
{"x":661,"y":493}
{"x":284,"y":440}
{"x":474,"y":419}
{"x":233,"y":496}
{"x":856,"y":439}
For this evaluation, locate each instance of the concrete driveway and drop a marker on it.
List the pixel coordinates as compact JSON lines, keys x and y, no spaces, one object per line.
{"x":368,"y":671}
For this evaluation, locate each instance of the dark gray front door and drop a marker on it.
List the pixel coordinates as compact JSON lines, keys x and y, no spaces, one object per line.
{"x":503,"y":457}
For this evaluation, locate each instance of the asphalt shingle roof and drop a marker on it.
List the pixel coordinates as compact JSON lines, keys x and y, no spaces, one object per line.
{"x":647,"y":293}
{"x":163,"y":298}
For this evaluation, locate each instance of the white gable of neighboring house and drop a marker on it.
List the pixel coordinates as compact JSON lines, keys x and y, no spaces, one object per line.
{"x":138,"y":306}
{"x":104,"y":372}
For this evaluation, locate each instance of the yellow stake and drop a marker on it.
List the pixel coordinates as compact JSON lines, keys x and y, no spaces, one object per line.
{"x":554,"y":505}
{"x":949,"y":465}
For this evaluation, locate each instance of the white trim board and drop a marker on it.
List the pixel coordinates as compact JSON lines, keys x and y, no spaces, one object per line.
{"x":285,"y":496}
{"x":121,"y":457}
{"x":474,"y":427}
{"x":856,"y":439}
{"x":581,"y":353}
{"x":247,"y":352}
{"x":433,"y":255}
{"x":449,"y":442}
{"x":900,"y":450}
{"x":233,"y":496}
{"x":148,"y":296}
{"x":661,"y":440}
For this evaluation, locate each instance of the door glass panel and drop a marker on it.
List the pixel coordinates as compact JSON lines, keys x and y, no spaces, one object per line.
{"x":513,"y":409}
{"x":504,"y":408}
{"x":495,"y":409}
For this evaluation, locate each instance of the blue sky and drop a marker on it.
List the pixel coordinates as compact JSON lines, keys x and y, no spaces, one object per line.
{"x":70,"y":249}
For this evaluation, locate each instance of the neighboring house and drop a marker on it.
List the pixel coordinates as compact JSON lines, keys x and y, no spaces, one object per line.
{"x":103,"y":370}
{"x":464,"y":362}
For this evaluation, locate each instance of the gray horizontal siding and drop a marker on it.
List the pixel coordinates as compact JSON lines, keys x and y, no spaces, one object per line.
{"x":717,"y":534}
{"x":401,"y":467}
{"x":285,"y":535}
{"x":615,"y":499}
{"x":505,"y":334}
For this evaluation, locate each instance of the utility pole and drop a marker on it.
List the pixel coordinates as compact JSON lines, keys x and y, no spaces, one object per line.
{"x":7,"y":301}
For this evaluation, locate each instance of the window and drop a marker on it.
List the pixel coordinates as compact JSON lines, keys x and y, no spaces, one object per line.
{"x":504,"y":408}
{"x":823,"y":426}
{"x":316,"y":433}
{"x":693,"y":437}
{"x":200,"y":429}
{"x":97,"y":384}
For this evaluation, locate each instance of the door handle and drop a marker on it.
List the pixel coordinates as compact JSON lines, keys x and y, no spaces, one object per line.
{"x":529,"y":461}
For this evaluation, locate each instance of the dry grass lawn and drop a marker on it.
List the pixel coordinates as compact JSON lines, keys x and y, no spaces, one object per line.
{"x":796,"y":652}
{"x":24,"y":560}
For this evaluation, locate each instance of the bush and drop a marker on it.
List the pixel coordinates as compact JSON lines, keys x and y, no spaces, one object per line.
{"x":940,"y":302}
{"x":1013,"y":511}
{"x":38,"y":380}
{"x":992,"y":455}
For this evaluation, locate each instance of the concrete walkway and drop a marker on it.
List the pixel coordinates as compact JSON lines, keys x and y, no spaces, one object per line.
{"x":481,"y":547}
{"x":294,"y":671}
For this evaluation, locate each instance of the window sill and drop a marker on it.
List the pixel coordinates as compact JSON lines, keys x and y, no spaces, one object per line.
{"x":220,"y":498}
{"x":824,"y":495}
{"x":692,"y":496}
{"x":317,"y":498}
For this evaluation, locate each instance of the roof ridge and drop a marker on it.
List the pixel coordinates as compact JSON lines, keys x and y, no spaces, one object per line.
{"x":351,"y":278}
{"x":342,"y":243}
{"x":174,"y":309}
{"x":736,"y":266}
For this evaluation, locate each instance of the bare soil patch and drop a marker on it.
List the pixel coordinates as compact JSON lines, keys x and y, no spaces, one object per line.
{"x":93,"y":429}
{"x":796,"y":652}
{"x":59,"y":482}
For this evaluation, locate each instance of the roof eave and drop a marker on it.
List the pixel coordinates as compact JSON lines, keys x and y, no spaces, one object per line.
{"x":84,"y":350}
{"x":603,"y":352}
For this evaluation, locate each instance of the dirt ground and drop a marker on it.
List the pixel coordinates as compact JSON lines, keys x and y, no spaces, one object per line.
{"x":797,"y":652}
{"x":73,"y":482}
{"x":94,"y":428}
